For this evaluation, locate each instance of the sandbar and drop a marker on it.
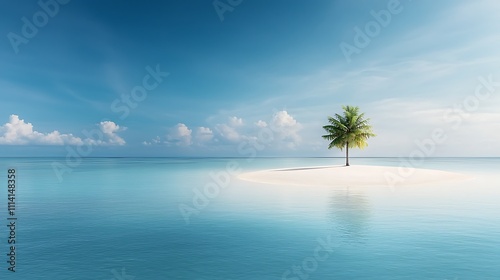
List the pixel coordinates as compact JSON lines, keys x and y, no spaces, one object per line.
{"x":354,"y":175}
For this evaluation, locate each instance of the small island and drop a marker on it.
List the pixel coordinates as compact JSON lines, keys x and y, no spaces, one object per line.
{"x":350,"y":130}
{"x":352,"y":176}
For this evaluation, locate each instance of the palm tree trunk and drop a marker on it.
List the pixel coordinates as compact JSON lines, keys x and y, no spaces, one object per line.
{"x":347,"y":154}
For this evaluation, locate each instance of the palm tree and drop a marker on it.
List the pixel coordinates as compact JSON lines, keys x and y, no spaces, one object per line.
{"x":350,"y":130}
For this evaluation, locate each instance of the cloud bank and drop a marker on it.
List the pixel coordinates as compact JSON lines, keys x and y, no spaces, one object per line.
{"x":19,"y":132}
{"x":284,"y":127}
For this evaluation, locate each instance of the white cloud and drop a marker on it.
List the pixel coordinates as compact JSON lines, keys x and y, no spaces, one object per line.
{"x":19,"y":132}
{"x":56,"y":138}
{"x":231,"y":131}
{"x":235,"y":122}
{"x":283,"y":119}
{"x":228,"y":133}
{"x":154,"y":141}
{"x":286,"y":128}
{"x":204,"y":134}
{"x":261,"y":124}
{"x":180,"y":135}
{"x":109,"y":129}
{"x":283,"y":126}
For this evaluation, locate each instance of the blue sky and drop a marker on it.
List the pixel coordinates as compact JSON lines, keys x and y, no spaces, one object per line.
{"x":224,"y":78}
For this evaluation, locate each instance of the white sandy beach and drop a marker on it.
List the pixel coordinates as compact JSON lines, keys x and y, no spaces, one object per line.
{"x":357,"y":175}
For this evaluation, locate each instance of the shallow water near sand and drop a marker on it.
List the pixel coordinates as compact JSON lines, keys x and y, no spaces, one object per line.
{"x":119,"y":218}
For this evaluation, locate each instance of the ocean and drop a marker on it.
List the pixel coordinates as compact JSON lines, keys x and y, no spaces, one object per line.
{"x":192,"y":218}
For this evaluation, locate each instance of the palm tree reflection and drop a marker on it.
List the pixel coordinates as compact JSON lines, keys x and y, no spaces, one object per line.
{"x":350,"y":214}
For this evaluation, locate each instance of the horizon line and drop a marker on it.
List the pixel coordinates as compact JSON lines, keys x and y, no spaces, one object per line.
{"x":260,"y":157}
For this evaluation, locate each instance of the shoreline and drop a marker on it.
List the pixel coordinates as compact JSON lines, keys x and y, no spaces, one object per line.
{"x":354,"y":175}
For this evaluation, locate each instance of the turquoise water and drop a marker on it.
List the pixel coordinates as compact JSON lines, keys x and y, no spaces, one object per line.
{"x":114,"y":218}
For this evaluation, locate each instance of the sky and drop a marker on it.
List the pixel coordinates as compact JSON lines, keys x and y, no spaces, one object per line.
{"x":241,"y":78}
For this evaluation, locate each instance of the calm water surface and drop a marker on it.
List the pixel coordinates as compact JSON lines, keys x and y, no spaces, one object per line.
{"x":147,"y":219}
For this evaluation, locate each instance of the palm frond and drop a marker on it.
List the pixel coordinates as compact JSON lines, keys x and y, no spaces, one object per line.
{"x":350,"y":127}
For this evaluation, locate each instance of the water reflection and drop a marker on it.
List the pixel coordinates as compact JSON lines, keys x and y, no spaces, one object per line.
{"x":350,"y":215}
